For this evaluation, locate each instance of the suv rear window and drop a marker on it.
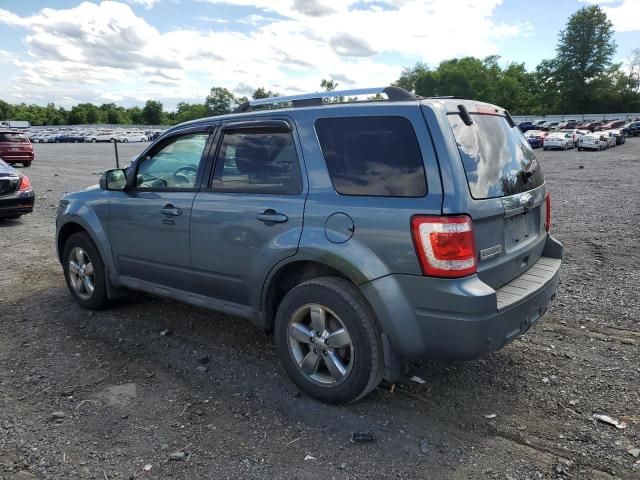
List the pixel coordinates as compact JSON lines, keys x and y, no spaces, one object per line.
{"x":497,"y":159}
{"x":374,"y":156}
{"x":13,"y":137}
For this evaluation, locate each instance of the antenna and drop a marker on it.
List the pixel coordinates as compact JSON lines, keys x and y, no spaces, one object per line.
{"x":115,"y":147}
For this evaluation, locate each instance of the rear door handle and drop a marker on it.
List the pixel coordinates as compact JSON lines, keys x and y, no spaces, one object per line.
{"x":171,"y":211}
{"x":271,"y":216}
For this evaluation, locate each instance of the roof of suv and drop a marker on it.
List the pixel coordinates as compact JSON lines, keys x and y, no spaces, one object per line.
{"x":374,"y":97}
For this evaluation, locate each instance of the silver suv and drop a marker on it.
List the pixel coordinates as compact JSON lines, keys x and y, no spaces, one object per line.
{"x":365,"y":234}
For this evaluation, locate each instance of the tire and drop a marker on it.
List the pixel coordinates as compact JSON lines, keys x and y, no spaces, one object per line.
{"x":360,"y":361}
{"x":26,"y":164}
{"x":545,"y":148}
{"x":125,"y":140}
{"x":579,"y":149}
{"x":97,"y":299}
{"x":93,"y":140}
{"x":566,"y":147}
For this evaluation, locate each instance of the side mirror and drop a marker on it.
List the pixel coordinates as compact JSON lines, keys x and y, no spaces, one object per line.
{"x":113,"y":180}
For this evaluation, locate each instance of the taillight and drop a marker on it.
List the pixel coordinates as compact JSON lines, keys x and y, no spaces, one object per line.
{"x":25,"y":184}
{"x":444,"y":245}
{"x":547,"y":222}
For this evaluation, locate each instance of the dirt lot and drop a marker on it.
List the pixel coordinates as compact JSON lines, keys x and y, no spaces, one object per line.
{"x":102,"y":395}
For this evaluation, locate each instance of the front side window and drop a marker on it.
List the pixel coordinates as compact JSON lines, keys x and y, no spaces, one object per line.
{"x":174,"y":165}
{"x":372,"y":156}
{"x":259,"y":160}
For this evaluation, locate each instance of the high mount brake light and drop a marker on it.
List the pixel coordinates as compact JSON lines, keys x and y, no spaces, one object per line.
{"x":444,"y":245}
{"x":25,"y":184}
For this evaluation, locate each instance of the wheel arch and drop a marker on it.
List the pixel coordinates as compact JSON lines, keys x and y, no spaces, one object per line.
{"x":285,"y":277}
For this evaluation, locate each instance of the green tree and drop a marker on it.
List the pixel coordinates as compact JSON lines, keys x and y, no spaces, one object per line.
{"x":152,"y":113}
{"x":328,"y":85}
{"x":263,"y":93}
{"x":584,"y":53}
{"x":410,"y":75}
{"x":186,"y":112}
{"x":219,"y":101}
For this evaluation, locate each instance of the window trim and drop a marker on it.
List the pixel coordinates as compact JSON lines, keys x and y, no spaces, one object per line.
{"x":326,"y":166}
{"x":255,"y":124}
{"x":161,"y":143}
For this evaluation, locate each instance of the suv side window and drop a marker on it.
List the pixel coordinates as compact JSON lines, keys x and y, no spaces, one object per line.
{"x":174,"y":165}
{"x":375,"y":156}
{"x":258,"y":160}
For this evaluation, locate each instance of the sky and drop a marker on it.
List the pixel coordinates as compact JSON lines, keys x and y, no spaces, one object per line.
{"x":129,"y":51}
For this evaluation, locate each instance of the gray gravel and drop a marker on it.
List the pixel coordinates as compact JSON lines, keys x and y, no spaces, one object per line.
{"x":107,"y":395}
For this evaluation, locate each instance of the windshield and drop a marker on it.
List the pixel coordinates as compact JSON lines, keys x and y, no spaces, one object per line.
{"x":497,"y":159}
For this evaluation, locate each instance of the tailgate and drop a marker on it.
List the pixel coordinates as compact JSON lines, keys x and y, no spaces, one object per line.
{"x":505,"y":189}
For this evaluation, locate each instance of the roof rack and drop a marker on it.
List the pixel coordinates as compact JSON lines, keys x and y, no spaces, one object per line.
{"x":394,"y":94}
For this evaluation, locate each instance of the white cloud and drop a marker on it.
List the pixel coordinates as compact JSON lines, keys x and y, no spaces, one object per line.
{"x":105,"y":47}
{"x":626,"y":16}
{"x":144,"y":3}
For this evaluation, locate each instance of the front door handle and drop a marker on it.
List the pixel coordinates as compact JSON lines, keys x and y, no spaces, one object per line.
{"x":171,"y":211}
{"x":271,"y":216}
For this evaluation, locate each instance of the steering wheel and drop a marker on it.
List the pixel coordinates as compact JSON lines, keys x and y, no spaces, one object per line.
{"x":181,"y":175}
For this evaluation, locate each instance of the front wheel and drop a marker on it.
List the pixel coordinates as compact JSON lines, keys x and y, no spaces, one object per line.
{"x":328,"y":340}
{"x":84,"y":272}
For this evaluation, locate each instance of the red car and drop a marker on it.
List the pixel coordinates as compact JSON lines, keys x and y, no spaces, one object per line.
{"x":610,"y":125}
{"x":15,"y":147}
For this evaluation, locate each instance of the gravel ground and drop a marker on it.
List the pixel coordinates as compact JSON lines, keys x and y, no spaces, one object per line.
{"x":106,"y":395}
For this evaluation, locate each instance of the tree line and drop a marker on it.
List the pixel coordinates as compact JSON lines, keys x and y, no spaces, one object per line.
{"x":581,"y":78}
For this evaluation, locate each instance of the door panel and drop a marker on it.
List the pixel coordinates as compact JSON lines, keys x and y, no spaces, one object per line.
{"x":149,"y":222}
{"x":251,"y":216}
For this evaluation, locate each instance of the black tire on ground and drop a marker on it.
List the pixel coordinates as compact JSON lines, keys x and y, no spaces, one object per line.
{"x":93,"y":140}
{"x":98,"y":299}
{"x":26,"y":164}
{"x":342,"y":298}
{"x":579,"y":149}
{"x":544,"y":148}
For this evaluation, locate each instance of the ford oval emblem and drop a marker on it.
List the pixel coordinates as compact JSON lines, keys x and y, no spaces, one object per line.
{"x":526,"y":200}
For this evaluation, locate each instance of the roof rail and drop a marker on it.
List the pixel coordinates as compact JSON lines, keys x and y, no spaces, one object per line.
{"x":394,"y":94}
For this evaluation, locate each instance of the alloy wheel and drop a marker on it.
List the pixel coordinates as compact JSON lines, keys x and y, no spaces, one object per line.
{"x":81,"y":273}
{"x":320,"y":344}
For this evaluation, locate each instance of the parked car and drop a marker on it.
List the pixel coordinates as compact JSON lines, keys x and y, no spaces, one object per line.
{"x":16,"y":193}
{"x":525,"y":126}
{"x":567,"y":125}
{"x":131,"y":137}
{"x":609,"y":125}
{"x":558,"y":140}
{"x":15,"y":147}
{"x":550,"y":125}
{"x":631,"y":129}
{"x":618,"y":135}
{"x":360,"y":258}
{"x":593,"y":141}
{"x":101,"y":137}
{"x":575,"y":134}
{"x":69,"y":138}
{"x":535,"y":138}
{"x":610,"y":137}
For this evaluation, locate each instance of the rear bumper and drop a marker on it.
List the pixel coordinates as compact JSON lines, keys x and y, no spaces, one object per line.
{"x":17,"y":157}
{"x":431,"y":318}
{"x":17,"y":204}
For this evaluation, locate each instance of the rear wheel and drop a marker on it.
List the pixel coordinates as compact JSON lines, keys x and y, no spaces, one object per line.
{"x":26,"y":164}
{"x":328,"y":340}
{"x":93,"y":140}
{"x":84,"y":272}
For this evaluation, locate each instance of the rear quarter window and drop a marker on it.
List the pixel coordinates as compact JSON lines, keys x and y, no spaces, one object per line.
{"x":372,"y":156}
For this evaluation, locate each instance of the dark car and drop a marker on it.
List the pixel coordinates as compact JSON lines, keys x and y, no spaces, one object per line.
{"x":526,"y":126}
{"x":366,"y":235}
{"x":15,"y":147}
{"x":69,"y":138}
{"x":16,"y":194}
{"x":631,"y":129}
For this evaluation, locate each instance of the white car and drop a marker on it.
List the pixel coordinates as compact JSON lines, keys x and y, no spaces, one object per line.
{"x":575,"y":133}
{"x":611,"y":137}
{"x":561,"y":140}
{"x":131,"y":137}
{"x":101,"y":137}
{"x":593,"y":141}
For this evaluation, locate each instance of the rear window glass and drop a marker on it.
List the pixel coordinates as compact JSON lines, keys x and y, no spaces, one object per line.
{"x":497,"y":159}
{"x":373,"y":156}
{"x":13,"y":137}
